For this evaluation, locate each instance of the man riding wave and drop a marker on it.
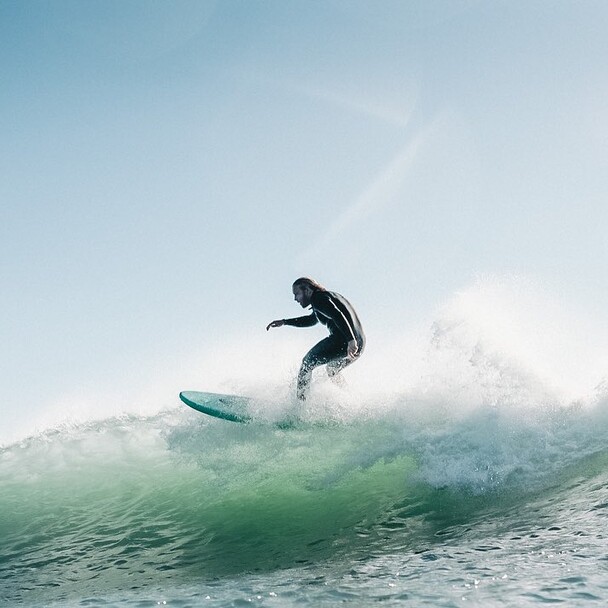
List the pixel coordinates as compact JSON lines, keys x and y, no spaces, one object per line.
{"x":346,"y":339}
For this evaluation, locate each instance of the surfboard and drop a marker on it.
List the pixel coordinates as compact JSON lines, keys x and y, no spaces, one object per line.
{"x":225,"y":407}
{"x":234,"y":408}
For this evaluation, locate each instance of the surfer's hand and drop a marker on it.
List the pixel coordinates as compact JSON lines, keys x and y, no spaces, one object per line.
{"x":276,"y":323}
{"x":352,"y":349}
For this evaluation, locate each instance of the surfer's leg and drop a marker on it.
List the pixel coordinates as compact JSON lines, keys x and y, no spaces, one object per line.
{"x":324,"y":352}
{"x":335,"y":366}
{"x":304,"y":377}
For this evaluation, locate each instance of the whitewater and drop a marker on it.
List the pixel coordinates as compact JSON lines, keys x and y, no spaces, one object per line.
{"x":471,"y":469}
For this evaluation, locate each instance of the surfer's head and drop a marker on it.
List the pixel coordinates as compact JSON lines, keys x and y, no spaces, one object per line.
{"x":303,"y":288}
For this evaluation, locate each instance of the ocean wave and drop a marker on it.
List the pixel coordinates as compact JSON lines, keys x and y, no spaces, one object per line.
{"x":129,"y":501}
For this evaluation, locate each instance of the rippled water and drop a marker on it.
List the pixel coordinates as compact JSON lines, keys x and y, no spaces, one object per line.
{"x":182,"y":509}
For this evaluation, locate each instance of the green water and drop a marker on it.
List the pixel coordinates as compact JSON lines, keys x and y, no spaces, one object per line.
{"x":175,"y":509}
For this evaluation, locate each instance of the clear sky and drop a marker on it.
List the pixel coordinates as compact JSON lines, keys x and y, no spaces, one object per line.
{"x":169,"y":167}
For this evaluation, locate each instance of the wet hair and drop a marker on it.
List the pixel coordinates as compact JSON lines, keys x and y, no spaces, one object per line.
{"x":307,"y":282}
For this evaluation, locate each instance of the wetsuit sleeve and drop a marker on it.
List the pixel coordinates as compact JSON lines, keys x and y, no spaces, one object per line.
{"x":307,"y":321}
{"x":325,"y":306}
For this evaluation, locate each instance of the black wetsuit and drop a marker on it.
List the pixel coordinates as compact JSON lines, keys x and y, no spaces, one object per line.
{"x":337,"y":314}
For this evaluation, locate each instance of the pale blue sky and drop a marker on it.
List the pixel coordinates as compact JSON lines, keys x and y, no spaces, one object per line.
{"x":168,"y":168}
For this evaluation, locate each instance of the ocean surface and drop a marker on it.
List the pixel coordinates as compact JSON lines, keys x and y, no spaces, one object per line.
{"x":182,"y":510}
{"x":482,"y":483}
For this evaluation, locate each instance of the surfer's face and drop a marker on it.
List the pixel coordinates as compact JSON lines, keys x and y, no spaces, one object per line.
{"x":301,"y":295}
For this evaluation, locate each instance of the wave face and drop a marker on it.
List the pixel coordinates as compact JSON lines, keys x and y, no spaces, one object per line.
{"x":130,"y":503}
{"x":135,"y":500}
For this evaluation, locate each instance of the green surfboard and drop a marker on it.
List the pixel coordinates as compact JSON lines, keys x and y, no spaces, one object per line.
{"x":226,"y":407}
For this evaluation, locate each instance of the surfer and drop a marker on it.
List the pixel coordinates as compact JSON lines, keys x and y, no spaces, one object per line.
{"x":346,"y":339}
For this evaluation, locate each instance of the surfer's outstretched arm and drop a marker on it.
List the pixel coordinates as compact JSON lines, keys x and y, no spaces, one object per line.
{"x":307,"y":321}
